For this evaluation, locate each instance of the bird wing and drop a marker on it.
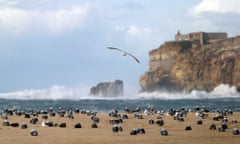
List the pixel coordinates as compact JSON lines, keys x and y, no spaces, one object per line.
{"x":133,"y":57}
{"x":114,"y":48}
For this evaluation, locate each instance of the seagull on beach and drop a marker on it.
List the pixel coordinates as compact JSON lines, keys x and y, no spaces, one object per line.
{"x":124,"y":53}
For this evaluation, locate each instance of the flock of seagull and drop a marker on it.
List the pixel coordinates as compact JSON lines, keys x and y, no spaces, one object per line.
{"x":117,"y":118}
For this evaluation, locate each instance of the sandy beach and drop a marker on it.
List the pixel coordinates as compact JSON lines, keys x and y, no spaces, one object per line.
{"x":200,"y":134}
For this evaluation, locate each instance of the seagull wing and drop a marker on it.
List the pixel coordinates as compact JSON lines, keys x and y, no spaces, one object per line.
{"x":114,"y":48}
{"x":133,"y":57}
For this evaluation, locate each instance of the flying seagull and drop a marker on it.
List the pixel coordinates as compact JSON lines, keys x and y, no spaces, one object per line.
{"x":124,"y":53}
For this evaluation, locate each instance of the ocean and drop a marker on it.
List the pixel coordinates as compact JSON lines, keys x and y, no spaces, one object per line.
{"x":223,"y":97}
{"x":106,"y":105}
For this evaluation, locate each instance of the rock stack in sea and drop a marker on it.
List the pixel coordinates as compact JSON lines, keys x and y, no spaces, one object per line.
{"x":108,"y":89}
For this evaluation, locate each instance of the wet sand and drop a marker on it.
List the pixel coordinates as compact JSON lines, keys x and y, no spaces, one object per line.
{"x":200,"y":134}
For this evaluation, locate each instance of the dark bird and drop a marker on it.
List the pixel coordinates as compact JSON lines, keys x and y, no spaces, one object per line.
{"x":124,"y":53}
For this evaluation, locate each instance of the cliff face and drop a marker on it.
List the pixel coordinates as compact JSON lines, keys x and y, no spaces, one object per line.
{"x":189,"y":65}
{"x":108,"y":89}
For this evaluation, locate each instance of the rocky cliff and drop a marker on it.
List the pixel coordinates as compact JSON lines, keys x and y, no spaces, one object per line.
{"x":108,"y":89}
{"x":188,"y":65}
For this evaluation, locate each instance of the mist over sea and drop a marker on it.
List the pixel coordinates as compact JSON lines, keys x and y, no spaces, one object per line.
{"x":222,"y":97}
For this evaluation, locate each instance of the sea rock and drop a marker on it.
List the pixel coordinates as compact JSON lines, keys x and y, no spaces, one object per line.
{"x":194,"y":61}
{"x":108,"y":89}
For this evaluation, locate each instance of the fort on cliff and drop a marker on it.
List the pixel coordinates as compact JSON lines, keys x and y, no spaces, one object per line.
{"x":197,"y":60}
{"x":201,"y":37}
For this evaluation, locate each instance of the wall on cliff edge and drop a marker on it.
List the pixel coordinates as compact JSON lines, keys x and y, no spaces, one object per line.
{"x":189,"y":65}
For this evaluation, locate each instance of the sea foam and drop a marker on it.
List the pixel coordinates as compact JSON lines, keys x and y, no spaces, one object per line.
{"x":58,"y":92}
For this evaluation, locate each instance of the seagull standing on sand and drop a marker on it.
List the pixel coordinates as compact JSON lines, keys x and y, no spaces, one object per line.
{"x":124,"y":53}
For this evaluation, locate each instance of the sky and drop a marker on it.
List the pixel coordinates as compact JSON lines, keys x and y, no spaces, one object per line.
{"x":61,"y":44}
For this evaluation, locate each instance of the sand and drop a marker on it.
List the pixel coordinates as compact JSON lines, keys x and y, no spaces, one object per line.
{"x":200,"y":134}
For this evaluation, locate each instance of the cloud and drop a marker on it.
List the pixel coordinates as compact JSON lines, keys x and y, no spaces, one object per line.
{"x":217,"y":6}
{"x":134,"y":6}
{"x":141,"y":38}
{"x":135,"y":31}
{"x":17,"y":21}
{"x":204,"y":25}
{"x":216,"y":15}
{"x":63,"y":19}
{"x":14,"y":20}
{"x":8,"y":2}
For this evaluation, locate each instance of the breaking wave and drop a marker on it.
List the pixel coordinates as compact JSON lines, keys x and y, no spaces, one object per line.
{"x":61,"y":92}
{"x":55,"y":92}
{"x":221,"y":91}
